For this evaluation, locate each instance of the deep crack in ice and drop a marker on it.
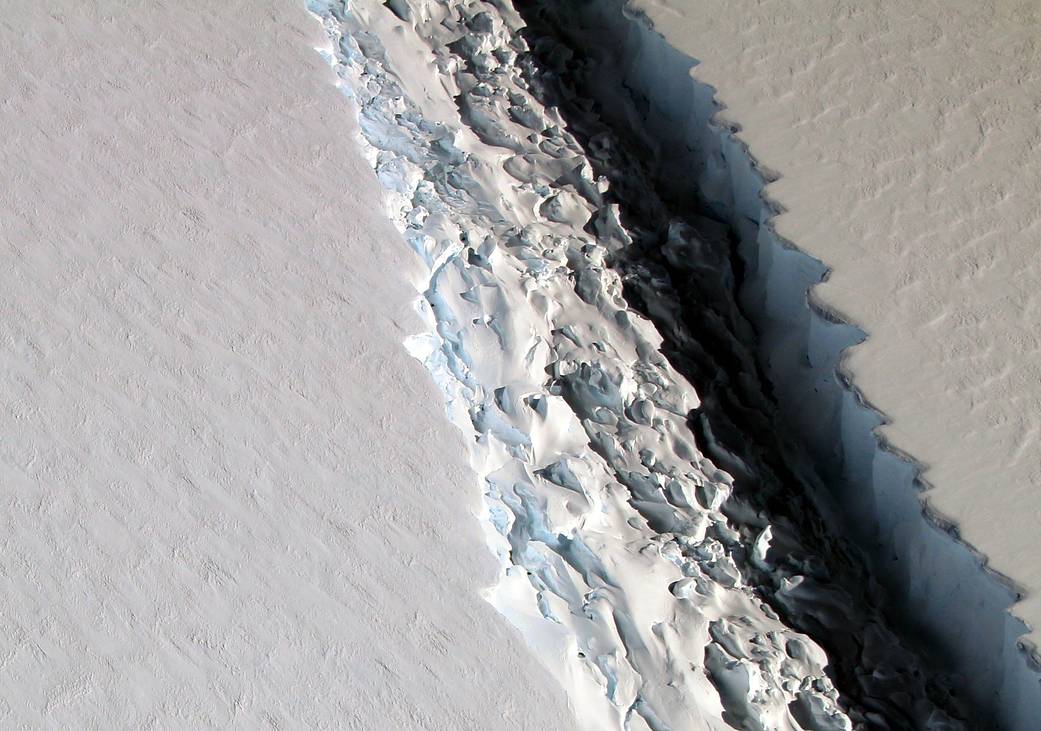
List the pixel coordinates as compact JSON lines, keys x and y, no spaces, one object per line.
{"x":659,"y":595}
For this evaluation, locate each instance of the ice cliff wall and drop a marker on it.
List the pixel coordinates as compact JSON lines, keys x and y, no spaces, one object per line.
{"x":937,"y":585}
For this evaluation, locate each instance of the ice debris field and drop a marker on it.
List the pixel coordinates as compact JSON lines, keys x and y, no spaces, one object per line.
{"x":657,"y":593}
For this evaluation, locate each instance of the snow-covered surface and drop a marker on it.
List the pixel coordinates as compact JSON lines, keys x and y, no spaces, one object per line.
{"x":904,"y":145}
{"x":230,"y":496}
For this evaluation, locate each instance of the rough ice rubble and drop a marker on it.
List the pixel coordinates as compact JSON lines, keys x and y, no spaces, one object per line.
{"x":620,"y":563}
{"x":934,"y":582}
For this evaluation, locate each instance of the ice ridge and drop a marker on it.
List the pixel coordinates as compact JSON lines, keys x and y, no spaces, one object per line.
{"x":639,"y":557}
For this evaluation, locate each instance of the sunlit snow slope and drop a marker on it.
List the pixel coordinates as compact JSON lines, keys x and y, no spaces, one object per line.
{"x":228,"y":496}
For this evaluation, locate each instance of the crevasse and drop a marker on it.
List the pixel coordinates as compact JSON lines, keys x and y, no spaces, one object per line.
{"x":937,"y":588}
{"x":644,"y":560}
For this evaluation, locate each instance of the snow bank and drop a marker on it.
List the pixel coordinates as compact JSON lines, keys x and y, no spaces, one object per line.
{"x":937,"y":583}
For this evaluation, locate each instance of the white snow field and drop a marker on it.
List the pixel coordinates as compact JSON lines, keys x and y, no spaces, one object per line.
{"x":899,"y":146}
{"x":247,"y":246}
{"x":230,"y":496}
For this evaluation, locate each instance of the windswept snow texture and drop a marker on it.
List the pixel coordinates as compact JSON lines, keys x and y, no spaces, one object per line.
{"x":659,"y":596}
{"x":228,"y":496}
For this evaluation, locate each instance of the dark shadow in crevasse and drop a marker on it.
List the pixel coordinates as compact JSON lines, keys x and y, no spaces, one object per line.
{"x":682,"y":271}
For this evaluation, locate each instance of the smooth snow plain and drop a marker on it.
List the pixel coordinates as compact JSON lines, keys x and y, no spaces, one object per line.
{"x":230,"y":497}
{"x":899,"y":146}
